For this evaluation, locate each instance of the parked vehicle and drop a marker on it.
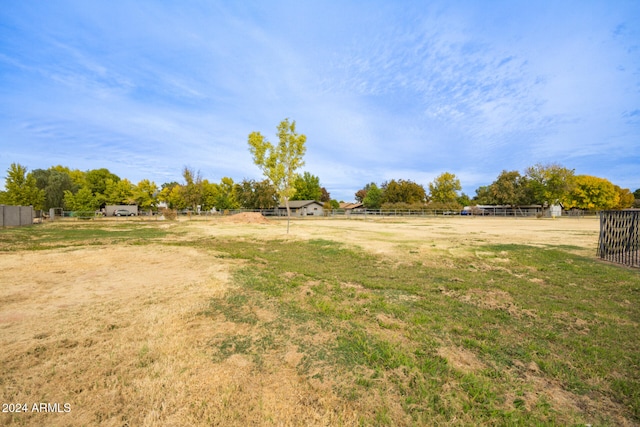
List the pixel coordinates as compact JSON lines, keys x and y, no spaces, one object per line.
{"x":123,"y":212}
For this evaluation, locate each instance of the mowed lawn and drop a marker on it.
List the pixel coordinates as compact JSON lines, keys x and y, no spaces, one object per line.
{"x":428,"y":321}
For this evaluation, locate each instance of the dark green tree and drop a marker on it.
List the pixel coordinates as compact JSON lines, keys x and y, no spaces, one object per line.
{"x":307,"y":187}
{"x":464,"y":200}
{"x":326,"y":196}
{"x":373,"y":198}
{"x":362,"y":193}
{"x":54,"y":183}
{"x":403,"y":191}
{"x":483,"y":196}
{"x":549,"y":184}
{"x":510,"y":188}
{"x":252,"y":194}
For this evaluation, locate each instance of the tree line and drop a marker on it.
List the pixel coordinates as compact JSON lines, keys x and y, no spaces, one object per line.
{"x":543,"y":185}
{"x":76,"y":190}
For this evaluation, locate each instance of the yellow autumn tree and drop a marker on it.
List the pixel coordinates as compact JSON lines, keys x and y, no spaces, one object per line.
{"x":592,"y":193}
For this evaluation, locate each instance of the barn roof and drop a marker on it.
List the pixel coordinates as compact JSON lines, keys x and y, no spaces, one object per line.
{"x":297,"y":204}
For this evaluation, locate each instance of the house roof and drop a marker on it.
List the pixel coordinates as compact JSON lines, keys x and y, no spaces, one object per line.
{"x":355,"y":205}
{"x":297,"y":204}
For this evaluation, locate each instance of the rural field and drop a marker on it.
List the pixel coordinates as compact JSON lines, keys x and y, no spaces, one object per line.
{"x":233,"y":322}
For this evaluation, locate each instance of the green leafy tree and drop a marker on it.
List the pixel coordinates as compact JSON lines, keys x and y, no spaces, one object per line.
{"x":83,"y":201}
{"x":210,"y":191}
{"x":373,"y":198}
{"x":165,"y":193}
{"x":21,"y":188}
{"x":307,"y":187}
{"x":252,"y":194}
{"x":192,"y":189}
{"x":54,"y":183}
{"x":483,"y":196}
{"x":279,"y":163}
{"x":549,"y":184}
{"x":145,"y":194}
{"x":119,"y":192}
{"x":510,"y":188}
{"x":77,"y":176}
{"x":226,"y":198}
{"x":403,"y":191}
{"x":266,"y":195}
{"x":444,"y":188}
{"x":176,"y":198}
{"x":464,"y":200}
{"x":96,"y":180}
{"x":362,"y":193}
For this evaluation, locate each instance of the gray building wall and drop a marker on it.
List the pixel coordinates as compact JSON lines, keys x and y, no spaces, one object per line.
{"x":15,"y":216}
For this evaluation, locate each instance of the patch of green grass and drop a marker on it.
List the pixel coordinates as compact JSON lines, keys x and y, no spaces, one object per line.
{"x":61,"y":235}
{"x":357,"y":348}
{"x":573,"y":317}
{"x":234,"y":307}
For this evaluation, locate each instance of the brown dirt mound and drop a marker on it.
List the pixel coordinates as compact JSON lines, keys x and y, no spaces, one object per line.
{"x":247,"y":218}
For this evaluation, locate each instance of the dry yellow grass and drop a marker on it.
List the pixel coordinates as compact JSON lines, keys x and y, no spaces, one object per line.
{"x":117,"y":333}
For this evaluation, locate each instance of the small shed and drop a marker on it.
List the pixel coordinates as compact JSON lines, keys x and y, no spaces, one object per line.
{"x":302,"y":208}
{"x":555,"y":211}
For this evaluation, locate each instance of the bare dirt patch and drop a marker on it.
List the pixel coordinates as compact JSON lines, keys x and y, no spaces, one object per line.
{"x":117,"y":333}
{"x":461,"y":359}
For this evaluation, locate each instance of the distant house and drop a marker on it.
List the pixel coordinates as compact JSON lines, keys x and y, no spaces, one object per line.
{"x":302,"y":208}
{"x":351,"y":206}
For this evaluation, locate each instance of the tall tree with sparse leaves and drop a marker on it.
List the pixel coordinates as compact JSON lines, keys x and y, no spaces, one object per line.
{"x":192,"y":190}
{"x":279,"y":163}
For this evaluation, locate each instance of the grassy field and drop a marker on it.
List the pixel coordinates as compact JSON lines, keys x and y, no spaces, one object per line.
{"x":442,"y":321}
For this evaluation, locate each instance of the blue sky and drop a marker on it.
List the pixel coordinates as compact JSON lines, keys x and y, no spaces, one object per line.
{"x":382,"y":89}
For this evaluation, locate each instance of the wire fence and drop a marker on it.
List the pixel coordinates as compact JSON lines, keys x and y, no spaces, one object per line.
{"x":619,"y":239}
{"x":345,"y":213}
